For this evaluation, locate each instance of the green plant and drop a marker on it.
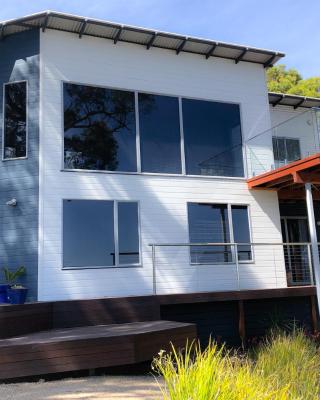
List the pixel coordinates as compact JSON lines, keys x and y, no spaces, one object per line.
{"x":11,"y":277}
{"x":285,"y":367}
{"x":214,"y":374}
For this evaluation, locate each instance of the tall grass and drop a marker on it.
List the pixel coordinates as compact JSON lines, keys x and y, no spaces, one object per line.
{"x":285,"y":367}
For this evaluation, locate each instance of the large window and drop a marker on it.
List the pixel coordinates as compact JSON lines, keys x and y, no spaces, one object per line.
{"x":172,"y":135}
{"x":159,"y":133}
{"x":99,"y":128}
{"x":212,"y":137}
{"x":285,"y":150}
{"x":218,"y":223}
{"x":15,"y":120}
{"x":98,"y":233}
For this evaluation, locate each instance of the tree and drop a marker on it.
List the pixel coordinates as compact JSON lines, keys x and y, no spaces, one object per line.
{"x":283,"y":80}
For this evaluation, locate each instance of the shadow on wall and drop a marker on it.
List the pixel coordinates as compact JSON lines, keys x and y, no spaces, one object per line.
{"x":19,"y":179}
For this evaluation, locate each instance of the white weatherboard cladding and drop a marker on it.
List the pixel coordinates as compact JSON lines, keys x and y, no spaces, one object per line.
{"x":162,"y":199}
{"x":299,"y":124}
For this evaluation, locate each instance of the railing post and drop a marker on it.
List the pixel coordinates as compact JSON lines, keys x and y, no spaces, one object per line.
{"x":314,"y":240}
{"x":237,"y":264}
{"x":154,"y":277}
{"x":310,"y":264}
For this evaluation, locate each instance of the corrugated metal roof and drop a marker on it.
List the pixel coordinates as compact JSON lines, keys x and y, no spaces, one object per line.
{"x":132,"y":34}
{"x":293,"y":100}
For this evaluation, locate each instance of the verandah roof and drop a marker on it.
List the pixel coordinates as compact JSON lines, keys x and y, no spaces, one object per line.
{"x":290,"y":179}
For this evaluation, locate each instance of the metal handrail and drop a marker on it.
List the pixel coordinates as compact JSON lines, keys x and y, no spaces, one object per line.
{"x":231,"y":244}
{"x":235,"y":256}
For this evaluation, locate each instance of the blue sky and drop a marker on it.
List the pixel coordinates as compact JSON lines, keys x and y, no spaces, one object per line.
{"x":291,"y":26}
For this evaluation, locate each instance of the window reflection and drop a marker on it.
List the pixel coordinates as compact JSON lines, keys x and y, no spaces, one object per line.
{"x":212,"y":137}
{"x":99,"y":128}
{"x":159,"y":133}
{"x":15,"y":120}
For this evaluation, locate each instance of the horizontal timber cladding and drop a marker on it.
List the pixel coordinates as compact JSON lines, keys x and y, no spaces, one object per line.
{"x":263,"y":315}
{"x":105,"y":311}
{"x":216,"y":319}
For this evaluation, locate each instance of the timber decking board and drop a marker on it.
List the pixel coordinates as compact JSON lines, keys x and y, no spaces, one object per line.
{"x":88,"y":347}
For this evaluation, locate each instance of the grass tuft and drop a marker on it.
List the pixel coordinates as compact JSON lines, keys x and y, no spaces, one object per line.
{"x":284,"y":367}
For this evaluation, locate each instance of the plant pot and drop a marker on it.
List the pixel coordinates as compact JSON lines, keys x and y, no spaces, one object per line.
{"x":17,"y":295}
{"x":4,"y":293}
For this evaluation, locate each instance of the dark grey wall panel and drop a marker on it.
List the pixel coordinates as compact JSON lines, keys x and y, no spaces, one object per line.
{"x":216,"y":319}
{"x":19,"y":60}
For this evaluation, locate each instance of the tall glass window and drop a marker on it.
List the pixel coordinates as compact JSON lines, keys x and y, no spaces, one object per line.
{"x":210,"y":223}
{"x":159,"y":133}
{"x":15,"y":120}
{"x":212,"y":138}
{"x":99,"y":128}
{"x":99,"y":233}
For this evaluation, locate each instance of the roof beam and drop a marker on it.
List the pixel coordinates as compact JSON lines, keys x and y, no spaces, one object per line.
{"x":240,"y":57}
{"x":151,"y":41}
{"x":180,"y":48}
{"x":269,"y":62}
{"x":275,"y":103}
{"x":211,"y":51}
{"x":83,"y":28}
{"x":117,"y":37}
{"x":299,"y":103}
{"x":45,"y":22}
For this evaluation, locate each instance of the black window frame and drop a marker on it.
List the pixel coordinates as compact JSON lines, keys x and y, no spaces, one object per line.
{"x":4,"y":120}
{"x":230,"y":230}
{"x":138,"y":147}
{"x":117,"y":264}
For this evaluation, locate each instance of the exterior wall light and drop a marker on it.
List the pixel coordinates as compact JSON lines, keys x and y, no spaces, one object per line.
{"x":12,"y":202}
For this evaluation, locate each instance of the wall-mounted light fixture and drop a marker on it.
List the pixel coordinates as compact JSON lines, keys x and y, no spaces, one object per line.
{"x":12,"y":202}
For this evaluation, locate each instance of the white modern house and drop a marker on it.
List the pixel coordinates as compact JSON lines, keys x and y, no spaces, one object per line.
{"x":145,"y":162}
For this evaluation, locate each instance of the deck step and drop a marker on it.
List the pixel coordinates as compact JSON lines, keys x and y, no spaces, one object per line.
{"x":89,"y":347}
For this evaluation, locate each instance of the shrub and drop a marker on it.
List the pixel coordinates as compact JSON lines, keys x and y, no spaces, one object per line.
{"x":284,"y":367}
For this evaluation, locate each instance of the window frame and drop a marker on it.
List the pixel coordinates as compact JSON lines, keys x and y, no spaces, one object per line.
{"x":137,"y":126}
{"x":285,"y":138}
{"x":115,"y":235}
{"x":230,"y":225}
{"x":4,"y":117}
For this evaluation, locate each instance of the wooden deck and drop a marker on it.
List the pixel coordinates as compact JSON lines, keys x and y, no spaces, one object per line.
{"x":89,"y":347}
{"x":60,"y":336}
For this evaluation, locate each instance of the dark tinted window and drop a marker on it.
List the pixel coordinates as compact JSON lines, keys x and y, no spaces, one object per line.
{"x":99,"y":128}
{"x":15,"y":120}
{"x":159,"y":133}
{"x":88,"y":233}
{"x":128,"y":233}
{"x":208,"y":223}
{"x":241,"y":231}
{"x":285,"y":150}
{"x":212,"y":137}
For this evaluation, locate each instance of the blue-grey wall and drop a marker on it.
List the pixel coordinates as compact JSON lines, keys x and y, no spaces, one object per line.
{"x":19,"y":60}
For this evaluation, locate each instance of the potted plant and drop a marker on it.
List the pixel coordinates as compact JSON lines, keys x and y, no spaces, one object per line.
{"x":16,"y":293}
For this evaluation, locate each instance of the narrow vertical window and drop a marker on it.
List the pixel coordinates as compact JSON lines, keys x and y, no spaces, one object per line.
{"x":15,"y":120}
{"x":241,"y":231}
{"x":128,"y":233}
{"x":159,"y":133}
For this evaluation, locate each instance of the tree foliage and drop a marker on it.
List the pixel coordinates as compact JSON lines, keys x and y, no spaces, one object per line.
{"x":283,"y":80}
